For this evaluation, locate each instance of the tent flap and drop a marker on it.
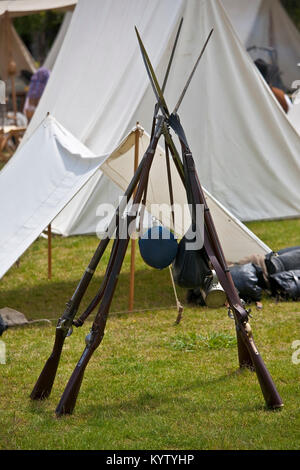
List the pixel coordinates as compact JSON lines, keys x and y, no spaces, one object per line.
{"x":49,"y":171}
{"x":37,"y":183}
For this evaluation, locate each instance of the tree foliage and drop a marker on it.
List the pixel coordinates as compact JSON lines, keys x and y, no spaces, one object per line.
{"x":293,"y":9}
{"x":38,"y":31}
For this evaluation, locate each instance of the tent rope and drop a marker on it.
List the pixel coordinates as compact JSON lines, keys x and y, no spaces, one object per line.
{"x":178,"y":303}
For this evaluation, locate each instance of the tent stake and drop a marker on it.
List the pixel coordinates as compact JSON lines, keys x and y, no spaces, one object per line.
{"x":132,"y":249}
{"x":49,"y":252}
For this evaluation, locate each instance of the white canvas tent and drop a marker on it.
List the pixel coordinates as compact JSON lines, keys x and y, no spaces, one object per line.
{"x":246,"y":151}
{"x":294,"y":113}
{"x":243,"y":16}
{"x":29,"y":7}
{"x":265,"y":24}
{"x":37,"y":182}
{"x":52,"y":166}
{"x":55,"y":48}
{"x":12,"y":46}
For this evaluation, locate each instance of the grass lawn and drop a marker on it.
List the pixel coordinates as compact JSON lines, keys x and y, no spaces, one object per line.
{"x":150,"y":384}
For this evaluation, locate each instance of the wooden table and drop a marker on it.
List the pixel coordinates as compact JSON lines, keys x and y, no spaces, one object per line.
{"x":7,"y":133}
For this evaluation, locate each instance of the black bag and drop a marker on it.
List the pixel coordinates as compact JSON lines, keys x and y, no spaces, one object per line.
{"x":286,"y":284}
{"x":247,"y":279}
{"x":284,"y":260}
{"x":190,"y":267}
{"x":3,"y":326}
{"x":194,"y":296}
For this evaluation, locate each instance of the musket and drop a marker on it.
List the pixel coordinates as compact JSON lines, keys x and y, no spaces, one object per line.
{"x":44,"y":384}
{"x":247,"y":351}
{"x":68,"y":399}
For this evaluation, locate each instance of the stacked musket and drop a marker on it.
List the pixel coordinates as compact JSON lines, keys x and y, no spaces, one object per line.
{"x":247,"y":350}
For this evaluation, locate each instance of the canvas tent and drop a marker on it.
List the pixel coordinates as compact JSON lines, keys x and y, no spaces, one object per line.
{"x":37,"y":184}
{"x":266,"y":25}
{"x":53,"y":53}
{"x":294,"y":113}
{"x":29,"y":7}
{"x":246,"y":151}
{"x":12,"y":46}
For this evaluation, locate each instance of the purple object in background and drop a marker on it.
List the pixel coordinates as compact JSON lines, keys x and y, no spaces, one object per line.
{"x":37,"y":83}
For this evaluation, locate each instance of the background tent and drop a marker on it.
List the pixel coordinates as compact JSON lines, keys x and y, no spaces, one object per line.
{"x":265,"y":24}
{"x":243,"y":15}
{"x":52,"y":166}
{"x":294,"y":113}
{"x":37,"y":183}
{"x":246,"y":151}
{"x":53,"y":53}
{"x":29,"y":7}
{"x":12,"y":46}
{"x":237,"y":241}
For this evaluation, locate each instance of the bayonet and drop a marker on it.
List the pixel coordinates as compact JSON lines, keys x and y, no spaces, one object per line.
{"x":171,"y":57}
{"x":191,"y":74}
{"x":153,"y":80}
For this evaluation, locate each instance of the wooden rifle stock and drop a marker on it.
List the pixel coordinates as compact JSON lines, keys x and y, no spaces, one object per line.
{"x":69,"y":397}
{"x":44,"y":384}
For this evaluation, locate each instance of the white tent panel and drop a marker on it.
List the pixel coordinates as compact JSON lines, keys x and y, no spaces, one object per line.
{"x":81,"y":215}
{"x":37,"y":183}
{"x":30,"y":7}
{"x":243,"y":15}
{"x":246,"y":151}
{"x":294,"y":113}
{"x":237,"y":240}
{"x":56,"y":46}
{"x":274,"y":28}
{"x":52,"y":166}
{"x":101,"y":64}
{"x":265,"y":24}
{"x":11,"y":45}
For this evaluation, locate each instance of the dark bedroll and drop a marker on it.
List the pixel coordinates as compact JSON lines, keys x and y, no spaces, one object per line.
{"x":286,"y":259}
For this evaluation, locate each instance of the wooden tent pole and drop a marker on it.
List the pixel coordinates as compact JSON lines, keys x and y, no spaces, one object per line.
{"x":11,"y":65}
{"x":49,"y":252}
{"x":133,"y":242}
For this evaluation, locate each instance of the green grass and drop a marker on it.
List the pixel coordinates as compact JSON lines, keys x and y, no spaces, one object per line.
{"x":151,"y":384}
